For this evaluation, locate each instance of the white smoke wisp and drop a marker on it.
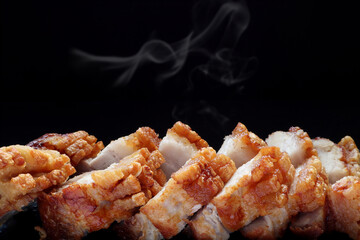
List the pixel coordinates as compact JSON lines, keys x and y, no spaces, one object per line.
{"x":215,"y":40}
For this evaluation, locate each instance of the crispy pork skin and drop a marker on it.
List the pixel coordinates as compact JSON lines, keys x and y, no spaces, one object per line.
{"x":241,"y":145}
{"x":254,"y":190}
{"x":178,"y":146}
{"x":307,"y":192}
{"x":344,"y":201}
{"x":307,"y":199}
{"x":93,"y":200}
{"x":341,"y":162}
{"x":25,"y":172}
{"x":351,"y":155}
{"x":77,"y":145}
{"x":190,"y":188}
{"x":144,"y":137}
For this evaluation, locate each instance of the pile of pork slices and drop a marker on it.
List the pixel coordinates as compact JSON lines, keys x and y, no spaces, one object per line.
{"x":144,"y":187}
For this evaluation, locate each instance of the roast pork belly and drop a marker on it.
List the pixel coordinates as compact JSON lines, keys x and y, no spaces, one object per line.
{"x":93,"y":200}
{"x":25,"y":172}
{"x":339,"y":160}
{"x":307,"y":192}
{"x":77,"y":145}
{"x":241,"y":145}
{"x":307,"y":199}
{"x":190,"y":188}
{"x":344,"y":201}
{"x":295,"y":142}
{"x":256,"y":189}
{"x":178,"y":146}
{"x":144,"y":137}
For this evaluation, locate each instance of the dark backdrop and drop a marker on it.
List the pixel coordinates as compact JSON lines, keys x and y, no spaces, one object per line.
{"x":296,"y":64}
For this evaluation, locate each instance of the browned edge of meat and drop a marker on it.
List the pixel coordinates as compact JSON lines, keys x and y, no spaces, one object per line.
{"x":94,"y":200}
{"x":77,"y":145}
{"x":249,"y":138}
{"x":184,"y":130}
{"x":25,"y":172}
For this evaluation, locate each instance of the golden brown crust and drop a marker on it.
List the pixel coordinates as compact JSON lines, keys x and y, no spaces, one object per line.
{"x":147,"y":138}
{"x":250,"y":139}
{"x":77,"y":145}
{"x":202,"y":176}
{"x":93,"y":200}
{"x":308,"y":192}
{"x":223,"y":166}
{"x":191,"y":187}
{"x":306,"y":140}
{"x":344,"y":205}
{"x":168,"y":210}
{"x":185,"y":131}
{"x":265,"y":188}
{"x":351,"y":155}
{"x":25,"y":172}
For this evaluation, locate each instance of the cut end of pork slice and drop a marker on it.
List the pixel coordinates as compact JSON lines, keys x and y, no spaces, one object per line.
{"x":93,"y":200}
{"x":207,"y":225}
{"x":138,"y":227}
{"x":190,"y":188}
{"x":144,"y":137}
{"x":309,"y":224}
{"x":295,"y":142}
{"x":331,"y":156}
{"x":178,"y":146}
{"x":255,"y":189}
{"x":272,"y":226}
{"x":241,"y":145}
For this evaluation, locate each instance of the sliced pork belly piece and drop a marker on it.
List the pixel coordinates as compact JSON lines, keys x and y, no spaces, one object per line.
{"x":307,"y":199}
{"x":144,"y":137}
{"x":93,"y":200}
{"x":179,"y":145}
{"x":255,"y":189}
{"x":351,"y":155}
{"x":241,"y":145}
{"x":190,"y":188}
{"x":25,"y":172}
{"x":295,"y":142}
{"x":77,"y":145}
{"x":307,"y":192}
{"x":331,"y":156}
{"x":344,"y":201}
{"x":339,"y":160}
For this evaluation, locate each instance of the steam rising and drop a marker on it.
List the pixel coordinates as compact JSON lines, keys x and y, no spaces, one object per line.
{"x":215,"y":39}
{"x":217,"y":28}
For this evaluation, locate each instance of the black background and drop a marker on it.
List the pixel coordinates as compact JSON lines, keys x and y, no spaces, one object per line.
{"x":304,"y":67}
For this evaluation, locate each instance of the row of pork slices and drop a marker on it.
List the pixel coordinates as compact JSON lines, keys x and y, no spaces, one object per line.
{"x":155,"y":189}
